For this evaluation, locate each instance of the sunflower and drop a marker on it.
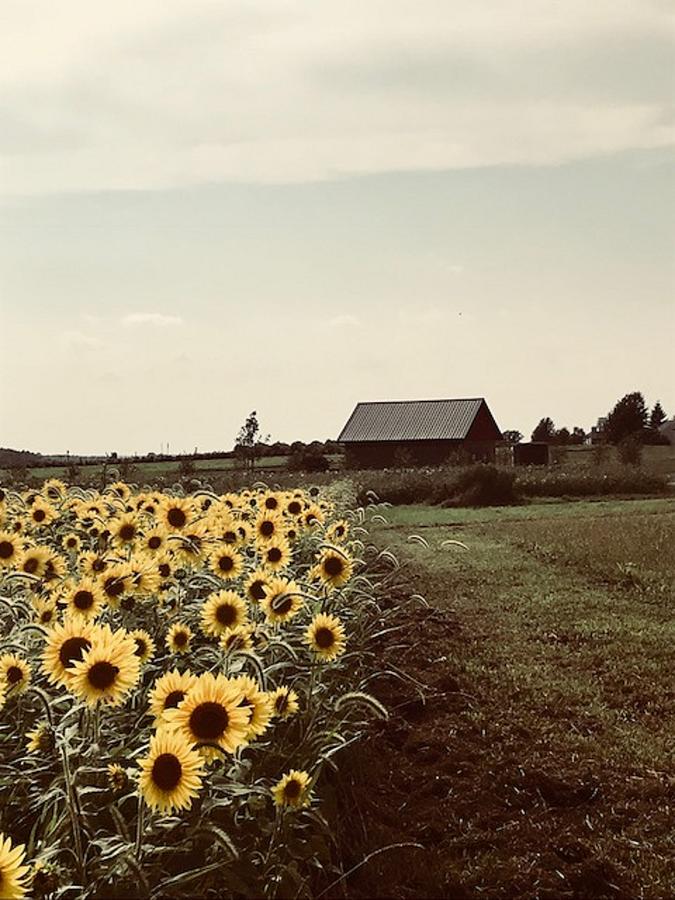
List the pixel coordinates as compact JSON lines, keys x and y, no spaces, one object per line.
{"x":12,"y":873}
{"x":41,"y":739}
{"x":256,"y":585}
{"x":175,"y":513}
{"x":10,"y":549}
{"x":165,"y":567}
{"x":257,"y":702}
{"x":65,"y":645}
{"x":83,"y":598}
{"x":144,"y":577}
{"x":170,"y":773}
{"x":45,"y":612}
{"x":326,"y":637}
{"x":117,"y":777}
{"x":282,"y":600}
{"x":238,"y":638}
{"x":55,"y":567}
{"x":34,"y":561}
{"x":223,"y":611}
{"x":15,"y":673}
{"x":270,"y":501}
{"x":335,"y":568}
{"x":54,"y":490}
{"x":292,"y":789}
{"x":168,"y":691}
{"x":226,"y":562}
{"x":154,"y":541}
{"x":294,"y":507}
{"x":179,"y":637}
{"x":41,"y":513}
{"x":107,"y":671}
{"x":124,"y":531}
{"x":268,"y":526}
{"x":71,"y":542}
{"x":120,"y":490}
{"x":313,"y":515}
{"x":191,"y":545}
{"x":211,"y":714}
{"x":338,"y":531}
{"x":275,"y":555}
{"x":91,"y":563}
{"x":116,"y":581}
{"x":145,"y":646}
{"x":284,"y":702}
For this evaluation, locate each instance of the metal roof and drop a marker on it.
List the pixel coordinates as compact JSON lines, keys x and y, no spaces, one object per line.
{"x":411,"y":420}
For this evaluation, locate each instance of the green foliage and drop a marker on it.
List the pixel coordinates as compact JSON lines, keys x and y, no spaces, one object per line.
{"x":544,"y":431}
{"x":629,"y":416}
{"x":629,"y":450}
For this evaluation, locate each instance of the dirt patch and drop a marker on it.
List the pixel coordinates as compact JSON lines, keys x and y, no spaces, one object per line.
{"x":487,"y":787}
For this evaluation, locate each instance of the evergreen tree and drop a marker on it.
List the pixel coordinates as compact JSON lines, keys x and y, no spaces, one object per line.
{"x":545,"y":431}
{"x":657,"y":417}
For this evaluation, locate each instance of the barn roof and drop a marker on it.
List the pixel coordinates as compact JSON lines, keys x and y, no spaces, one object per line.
{"x":411,"y":420}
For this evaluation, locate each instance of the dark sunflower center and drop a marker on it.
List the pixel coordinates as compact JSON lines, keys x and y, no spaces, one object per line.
{"x":281,"y":703}
{"x":155,"y":542}
{"x":257,"y":590}
{"x":83,"y":599}
{"x":282,"y":604}
{"x":293,"y":790}
{"x":46,"y":616}
{"x":39,"y":515}
{"x":226,"y":564}
{"x":127,"y":532}
{"x":141,"y":647}
{"x":267,"y":528}
{"x":176,"y":517}
{"x":166,"y":772}
{"x":173,"y":699}
{"x":274,"y":555}
{"x":180,"y":638}
{"x":6,"y":549}
{"x":113,"y":586}
{"x":14,"y":675}
{"x":164,"y":570}
{"x":102,"y":675}
{"x":209,"y":721}
{"x":98,"y":565}
{"x":333,"y":566}
{"x":340,"y":530}
{"x":73,"y":650}
{"x":30,"y":565}
{"x":271,"y":503}
{"x":324,"y":638}
{"x":71,"y":542}
{"x":226,"y":614}
{"x":230,"y":537}
{"x":294,"y":507}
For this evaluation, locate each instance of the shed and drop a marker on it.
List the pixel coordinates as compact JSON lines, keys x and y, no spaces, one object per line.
{"x":419,"y":432}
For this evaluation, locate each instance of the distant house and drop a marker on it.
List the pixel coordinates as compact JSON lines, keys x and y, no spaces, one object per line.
{"x":418,"y":432}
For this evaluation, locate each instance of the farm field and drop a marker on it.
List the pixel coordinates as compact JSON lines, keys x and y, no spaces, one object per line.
{"x":535,"y":757}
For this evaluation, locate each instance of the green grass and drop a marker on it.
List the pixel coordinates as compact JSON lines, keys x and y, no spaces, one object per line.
{"x":569,"y":674}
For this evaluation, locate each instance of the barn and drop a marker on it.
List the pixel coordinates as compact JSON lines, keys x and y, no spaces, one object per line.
{"x":419,"y":432}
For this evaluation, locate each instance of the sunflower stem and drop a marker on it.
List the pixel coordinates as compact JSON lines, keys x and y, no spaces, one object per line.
{"x":140,"y":823}
{"x":73,"y":811}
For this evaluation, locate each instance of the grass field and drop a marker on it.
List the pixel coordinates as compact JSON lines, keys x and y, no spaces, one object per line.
{"x":549,"y":752}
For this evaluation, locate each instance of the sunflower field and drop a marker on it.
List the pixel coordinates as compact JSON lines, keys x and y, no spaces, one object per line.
{"x":178,"y":673}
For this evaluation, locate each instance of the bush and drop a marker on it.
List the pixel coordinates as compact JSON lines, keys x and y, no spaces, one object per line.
{"x":629,"y":450}
{"x":308,"y":460}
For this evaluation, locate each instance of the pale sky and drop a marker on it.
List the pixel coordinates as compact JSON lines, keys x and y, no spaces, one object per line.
{"x":294,"y":205}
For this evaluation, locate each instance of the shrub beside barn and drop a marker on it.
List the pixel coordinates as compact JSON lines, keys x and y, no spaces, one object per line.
{"x":419,"y":432}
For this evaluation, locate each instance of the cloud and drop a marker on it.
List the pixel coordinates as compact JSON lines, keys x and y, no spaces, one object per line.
{"x":158,"y":320}
{"x":155,"y":94}
{"x":344,"y":321}
{"x":79,"y":340}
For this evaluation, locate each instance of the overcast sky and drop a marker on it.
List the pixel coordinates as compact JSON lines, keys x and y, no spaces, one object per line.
{"x":213,"y":207}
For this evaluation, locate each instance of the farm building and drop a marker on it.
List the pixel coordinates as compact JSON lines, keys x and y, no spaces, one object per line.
{"x":418,"y":432}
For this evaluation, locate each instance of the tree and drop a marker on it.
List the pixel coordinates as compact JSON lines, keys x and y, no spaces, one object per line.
{"x":562,"y":436}
{"x":512,"y":436}
{"x":544,"y":431}
{"x":657,"y":417}
{"x":578,"y":435}
{"x":628,"y":417}
{"x":245,"y":445}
